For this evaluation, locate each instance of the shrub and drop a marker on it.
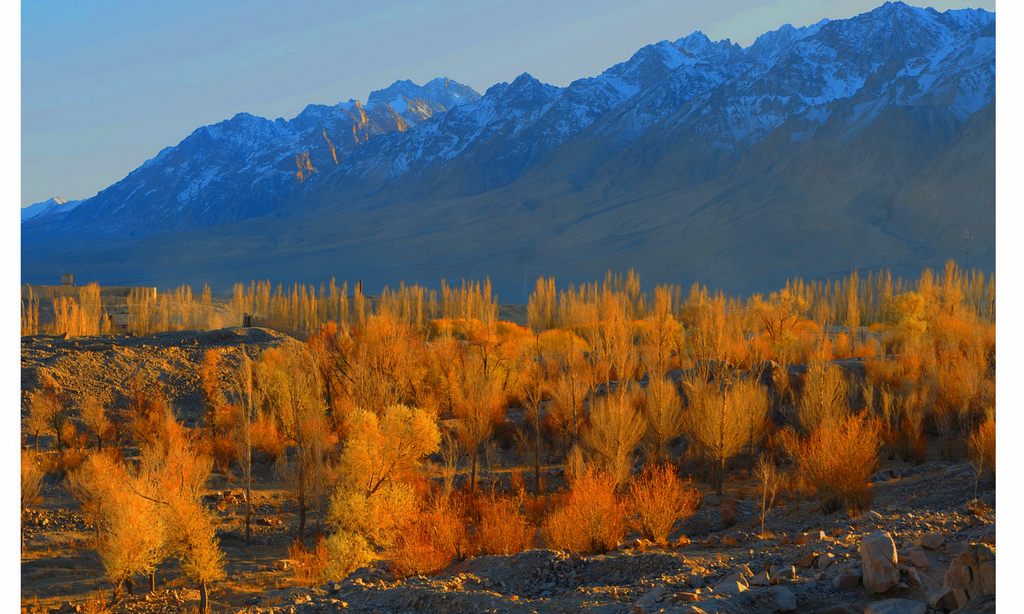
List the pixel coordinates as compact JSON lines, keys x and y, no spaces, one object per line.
{"x":379,"y":518}
{"x":266,"y":437}
{"x":503,"y":529}
{"x":346,"y":552}
{"x":837,"y":459}
{"x":657,"y":500}
{"x":431,"y":541}
{"x":592,"y":518}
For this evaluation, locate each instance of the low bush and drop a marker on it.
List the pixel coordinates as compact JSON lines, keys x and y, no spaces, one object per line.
{"x":592,"y":518}
{"x":836,"y":461}
{"x":658,"y":499}
{"x":502,"y":528}
{"x":430,"y":542}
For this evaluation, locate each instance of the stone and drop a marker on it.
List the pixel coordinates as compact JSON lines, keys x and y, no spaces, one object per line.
{"x":686,"y":597}
{"x":879,"y":562}
{"x":846,"y":582}
{"x":777,"y":572}
{"x":897,"y":606}
{"x":825,"y":560}
{"x":649,"y":601}
{"x":931,"y":541}
{"x":785,"y":600}
{"x":731,"y":586}
{"x":760,"y":579}
{"x":810,"y":537}
{"x":807,"y":560}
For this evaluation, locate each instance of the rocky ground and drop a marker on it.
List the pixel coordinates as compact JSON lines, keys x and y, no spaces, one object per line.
{"x":811,"y":564}
{"x":97,"y":364}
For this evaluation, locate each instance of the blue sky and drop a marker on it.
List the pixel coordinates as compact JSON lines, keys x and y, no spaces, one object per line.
{"x":108,"y":83}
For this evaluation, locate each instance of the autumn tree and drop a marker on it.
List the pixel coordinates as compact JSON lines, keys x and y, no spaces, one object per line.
{"x":93,"y":412}
{"x":534,"y":388}
{"x":380,"y":449}
{"x":129,"y":532}
{"x":248,"y":397}
{"x":293,"y":393}
{"x":47,"y":412}
{"x":478,"y":404}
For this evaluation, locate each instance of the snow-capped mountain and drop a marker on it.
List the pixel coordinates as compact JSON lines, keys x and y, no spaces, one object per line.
{"x":846,"y":127}
{"x":248,"y":165}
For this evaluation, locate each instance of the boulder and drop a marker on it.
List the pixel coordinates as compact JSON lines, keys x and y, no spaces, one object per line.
{"x":879,"y":562}
{"x":897,"y":606}
{"x":970,"y":576}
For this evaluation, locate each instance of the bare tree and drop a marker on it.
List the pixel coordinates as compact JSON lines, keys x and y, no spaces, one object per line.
{"x":721,"y":417}
{"x":613,"y":433}
{"x":767,"y":474}
{"x":663,"y":411}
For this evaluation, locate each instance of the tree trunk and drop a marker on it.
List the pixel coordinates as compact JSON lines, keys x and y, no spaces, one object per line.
{"x":204,"y":599}
{"x":536,"y":454}
{"x":248,"y":514}
{"x":302,"y":519}
{"x":99,"y":443}
{"x":117,"y":593}
{"x":129,"y":586}
{"x":60,"y":447}
{"x":720,"y":477}
{"x":152,"y":581}
{"x":472,"y":472}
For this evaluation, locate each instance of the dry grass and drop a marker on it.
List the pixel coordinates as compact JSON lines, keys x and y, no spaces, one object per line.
{"x":31,"y":479}
{"x":592,"y":518}
{"x":658,"y":499}
{"x":309,"y":565}
{"x":982,"y":447}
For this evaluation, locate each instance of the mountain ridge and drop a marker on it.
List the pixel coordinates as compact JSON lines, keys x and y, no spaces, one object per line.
{"x":686,"y":126}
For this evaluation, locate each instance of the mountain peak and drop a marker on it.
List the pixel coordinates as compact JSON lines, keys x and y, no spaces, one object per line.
{"x":439,"y":90}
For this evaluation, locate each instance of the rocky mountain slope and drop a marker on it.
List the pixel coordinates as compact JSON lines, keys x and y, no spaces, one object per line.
{"x":866,"y":142}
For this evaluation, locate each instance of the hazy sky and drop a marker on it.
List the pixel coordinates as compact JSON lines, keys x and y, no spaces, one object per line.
{"x":108,"y":83}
